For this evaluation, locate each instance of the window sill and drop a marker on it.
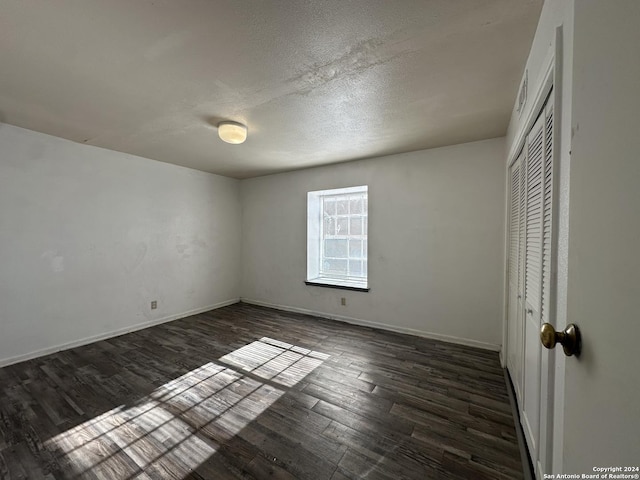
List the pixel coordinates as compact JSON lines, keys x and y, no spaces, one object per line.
{"x":321,"y":282}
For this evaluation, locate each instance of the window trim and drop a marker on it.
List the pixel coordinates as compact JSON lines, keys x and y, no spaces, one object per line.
{"x":340,"y":287}
{"x":315,"y":225}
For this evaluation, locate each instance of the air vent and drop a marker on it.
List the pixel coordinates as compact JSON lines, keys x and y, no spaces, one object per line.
{"x":522,"y":95}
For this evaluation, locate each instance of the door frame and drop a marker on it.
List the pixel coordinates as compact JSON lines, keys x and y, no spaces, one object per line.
{"x":551,"y":82}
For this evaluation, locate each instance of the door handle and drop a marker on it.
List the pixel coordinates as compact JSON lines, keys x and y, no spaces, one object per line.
{"x":569,"y":338}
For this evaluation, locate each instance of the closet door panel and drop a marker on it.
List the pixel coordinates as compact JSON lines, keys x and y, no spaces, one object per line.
{"x":514,"y":317}
{"x":533,"y":284}
{"x":531,"y":275}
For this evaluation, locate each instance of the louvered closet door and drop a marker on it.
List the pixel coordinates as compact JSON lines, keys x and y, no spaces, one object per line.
{"x":547,"y":218}
{"x":519,"y":376}
{"x":537,"y":267}
{"x":515,"y":304}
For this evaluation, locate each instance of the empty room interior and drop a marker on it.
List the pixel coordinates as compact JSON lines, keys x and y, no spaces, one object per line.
{"x":319,"y":239}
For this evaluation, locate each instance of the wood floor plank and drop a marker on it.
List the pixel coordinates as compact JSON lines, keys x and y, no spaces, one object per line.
{"x":246,"y":392}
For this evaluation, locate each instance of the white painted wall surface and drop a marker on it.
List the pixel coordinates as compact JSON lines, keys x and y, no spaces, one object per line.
{"x":89,"y":237}
{"x":554,"y":13}
{"x":436,"y":241}
{"x":602,"y":416}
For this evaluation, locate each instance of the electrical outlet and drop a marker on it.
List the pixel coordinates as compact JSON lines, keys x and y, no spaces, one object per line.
{"x":343,"y":301}
{"x":154,"y":305}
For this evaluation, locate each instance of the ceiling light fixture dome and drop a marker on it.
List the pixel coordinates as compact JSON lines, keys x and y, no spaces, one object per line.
{"x":232,"y":132}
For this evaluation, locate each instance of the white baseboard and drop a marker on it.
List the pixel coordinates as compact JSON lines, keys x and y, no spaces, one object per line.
{"x":382,"y":326}
{"x":114,"y":333}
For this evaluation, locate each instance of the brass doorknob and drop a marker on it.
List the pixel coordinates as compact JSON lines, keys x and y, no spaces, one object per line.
{"x":569,"y":338}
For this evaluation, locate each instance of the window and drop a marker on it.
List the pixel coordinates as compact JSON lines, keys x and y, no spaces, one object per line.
{"x":337,"y":238}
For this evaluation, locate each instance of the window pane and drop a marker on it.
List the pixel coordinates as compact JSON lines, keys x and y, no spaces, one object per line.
{"x":329,"y":225}
{"x":356,"y":226}
{"x":335,"y":248}
{"x":364,"y":269}
{"x":335,"y":266}
{"x":343,"y":206}
{"x":365,"y":202}
{"x":355,"y":248}
{"x":330,"y":206}
{"x":355,"y":268}
{"x":356,"y":205}
{"x":342,"y":227}
{"x":365,"y":248}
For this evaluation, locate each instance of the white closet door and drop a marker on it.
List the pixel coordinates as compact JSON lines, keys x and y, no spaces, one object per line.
{"x":530,"y":417}
{"x":547,"y":300}
{"x":547,"y":218}
{"x":515,"y":304}
{"x":519,"y":376}
{"x":531,"y":270}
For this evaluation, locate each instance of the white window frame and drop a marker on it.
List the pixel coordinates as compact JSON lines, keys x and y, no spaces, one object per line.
{"x":315,"y":243}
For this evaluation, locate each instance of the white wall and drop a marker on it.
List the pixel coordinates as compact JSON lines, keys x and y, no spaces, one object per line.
{"x":89,"y":237}
{"x":602,"y":418}
{"x":436,"y":239}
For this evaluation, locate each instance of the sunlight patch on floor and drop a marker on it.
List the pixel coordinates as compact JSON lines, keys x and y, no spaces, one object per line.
{"x":182,"y":423}
{"x":274,"y":360}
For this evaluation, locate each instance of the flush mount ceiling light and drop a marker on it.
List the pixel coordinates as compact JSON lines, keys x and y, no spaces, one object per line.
{"x":232,"y":132}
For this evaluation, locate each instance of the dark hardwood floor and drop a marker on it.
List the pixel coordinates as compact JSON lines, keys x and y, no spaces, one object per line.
{"x":250,"y":392}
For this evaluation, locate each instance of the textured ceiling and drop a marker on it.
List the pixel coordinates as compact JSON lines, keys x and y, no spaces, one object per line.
{"x":316,"y":81}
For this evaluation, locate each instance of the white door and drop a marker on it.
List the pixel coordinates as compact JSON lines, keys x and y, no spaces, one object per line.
{"x":530,"y":415}
{"x":516,"y":252}
{"x":530,"y":290}
{"x":601,"y":420}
